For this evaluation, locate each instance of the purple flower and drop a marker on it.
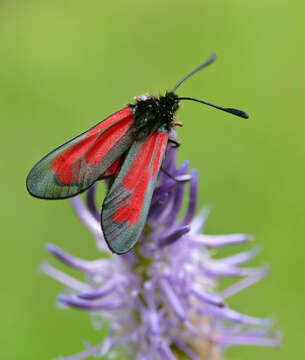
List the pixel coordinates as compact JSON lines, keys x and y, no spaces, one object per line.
{"x":160,"y":300}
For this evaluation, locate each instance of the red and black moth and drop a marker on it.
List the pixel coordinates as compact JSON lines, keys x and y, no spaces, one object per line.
{"x":127,"y":146}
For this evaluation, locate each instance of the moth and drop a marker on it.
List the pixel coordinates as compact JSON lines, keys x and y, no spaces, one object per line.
{"x":128,"y":146}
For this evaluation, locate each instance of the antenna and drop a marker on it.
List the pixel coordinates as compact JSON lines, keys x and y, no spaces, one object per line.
{"x":201,"y":66}
{"x":233,"y":111}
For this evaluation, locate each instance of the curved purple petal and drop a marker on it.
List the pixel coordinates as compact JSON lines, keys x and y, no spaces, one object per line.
{"x":215,"y":241}
{"x":76,"y":263}
{"x":234,"y":316}
{"x":88,"y":305}
{"x":206,"y":297}
{"x":101,"y":292}
{"x":86,"y":217}
{"x":90,"y":200}
{"x":172,"y":298}
{"x":192,"y":201}
{"x":173,"y":237}
{"x":244,"y":283}
{"x":231,"y":340}
{"x":239,"y":258}
{"x":63,"y":278}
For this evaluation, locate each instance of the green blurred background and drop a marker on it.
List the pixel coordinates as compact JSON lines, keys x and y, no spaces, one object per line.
{"x":64,"y":65}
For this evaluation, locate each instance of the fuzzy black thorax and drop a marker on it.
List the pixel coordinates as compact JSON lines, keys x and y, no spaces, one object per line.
{"x":150,"y":113}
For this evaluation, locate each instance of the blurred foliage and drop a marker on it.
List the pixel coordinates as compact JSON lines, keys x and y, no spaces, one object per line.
{"x":64,"y":65}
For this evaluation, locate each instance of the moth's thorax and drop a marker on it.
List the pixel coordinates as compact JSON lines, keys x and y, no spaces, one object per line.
{"x":150,"y":113}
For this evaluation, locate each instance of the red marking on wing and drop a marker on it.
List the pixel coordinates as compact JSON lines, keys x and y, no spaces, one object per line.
{"x":113,"y":168}
{"x":140,"y":163}
{"x":141,"y":172}
{"x":131,"y":211}
{"x":112,"y":119}
{"x":106,"y":140}
{"x":94,"y":146}
{"x":159,"y":151}
{"x":62,"y":164}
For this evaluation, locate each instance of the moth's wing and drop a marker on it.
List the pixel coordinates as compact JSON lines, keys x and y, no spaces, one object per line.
{"x":126,"y":205}
{"x":76,"y":165}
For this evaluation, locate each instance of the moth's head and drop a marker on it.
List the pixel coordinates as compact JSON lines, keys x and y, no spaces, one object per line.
{"x":159,"y":110}
{"x":169,"y":103}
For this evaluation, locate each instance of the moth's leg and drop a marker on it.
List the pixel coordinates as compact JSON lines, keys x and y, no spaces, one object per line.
{"x":175,"y":142}
{"x":178,"y":123}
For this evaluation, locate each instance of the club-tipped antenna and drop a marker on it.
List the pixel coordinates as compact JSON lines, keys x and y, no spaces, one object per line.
{"x":233,"y":111}
{"x":201,"y":66}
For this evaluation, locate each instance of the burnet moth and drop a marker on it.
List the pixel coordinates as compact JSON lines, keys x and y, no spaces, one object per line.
{"x":129,"y":146}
